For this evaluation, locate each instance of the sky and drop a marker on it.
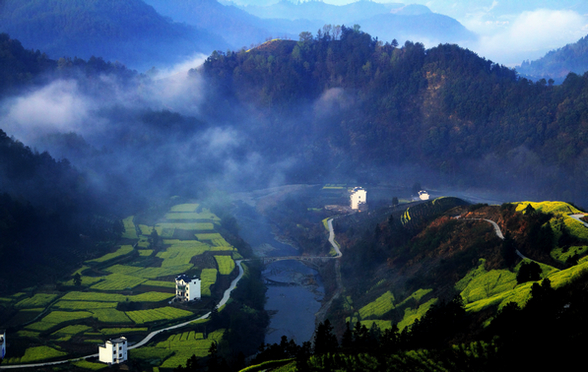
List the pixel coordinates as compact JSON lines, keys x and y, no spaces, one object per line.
{"x":509,"y":31}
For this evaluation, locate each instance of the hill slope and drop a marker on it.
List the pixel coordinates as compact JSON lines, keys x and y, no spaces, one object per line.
{"x":125,"y":30}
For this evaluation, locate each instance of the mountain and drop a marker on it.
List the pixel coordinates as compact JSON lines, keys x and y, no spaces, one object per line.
{"x":356,"y":108}
{"x":387,"y":21}
{"x":128,"y":31}
{"x":557,"y":64}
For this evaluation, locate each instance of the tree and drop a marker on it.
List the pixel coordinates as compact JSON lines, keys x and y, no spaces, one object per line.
{"x":395,"y":201}
{"x":529,"y":272}
{"x":77,"y":280}
{"x":324,"y":340}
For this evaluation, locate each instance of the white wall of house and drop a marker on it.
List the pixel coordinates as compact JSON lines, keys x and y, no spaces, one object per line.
{"x":358,"y":197}
{"x":188,"y":289}
{"x":113,"y":351}
{"x":2,"y":344}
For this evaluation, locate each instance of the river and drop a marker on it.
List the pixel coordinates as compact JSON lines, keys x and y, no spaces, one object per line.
{"x":295,"y":291}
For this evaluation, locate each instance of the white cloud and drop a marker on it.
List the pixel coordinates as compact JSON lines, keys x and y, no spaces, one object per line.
{"x":530,"y":35}
{"x":57,"y":107}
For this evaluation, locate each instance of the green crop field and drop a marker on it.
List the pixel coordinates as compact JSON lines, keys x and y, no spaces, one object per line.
{"x":208,"y":277}
{"x":146,"y":230}
{"x":557,"y":208}
{"x":153,"y":315}
{"x":480,"y":284}
{"x":189,"y":207}
{"x":130,"y":232}
{"x":57,"y":317}
{"x":199,"y":226}
{"x":382,"y":324}
{"x":110,"y":316}
{"x":410,"y":315}
{"x":38,"y":300}
{"x":121,"y":331}
{"x":145,"y":252}
{"x":123,"y":250}
{"x":114,"y":297}
{"x":37,"y":353}
{"x":84,"y":364}
{"x":191,"y":216}
{"x":209,"y":236}
{"x":225,"y":264}
{"x":158,"y":283}
{"x":118,"y":282}
{"x":379,"y":307}
{"x":66,"y":333}
{"x":84,"y":305}
{"x":184,"y":346}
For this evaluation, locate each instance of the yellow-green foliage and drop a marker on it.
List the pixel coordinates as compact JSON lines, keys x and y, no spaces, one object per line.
{"x":71,"y":330}
{"x":123,"y":250}
{"x":326,"y":223}
{"x":118,"y":282}
{"x":84,"y":305}
{"x":283,"y":365}
{"x":146,"y":230}
{"x":130,"y":232}
{"x":143,"y":242}
{"x":181,"y":252}
{"x":410,"y":315}
{"x":110,"y":315}
{"x":38,"y":300}
{"x":560,"y":278}
{"x":115,"y":297}
{"x":208,"y":278}
{"x":382,"y":324}
{"x":161,"y":313}
{"x":120,"y":331}
{"x":204,"y":215}
{"x":209,"y":236}
{"x":557,"y":208}
{"x":489,"y":284}
{"x":405,"y":218}
{"x":225,"y":264}
{"x":379,"y":307}
{"x":334,"y":187}
{"x":56,"y":317}
{"x":200,"y":226}
{"x":157,"y":283}
{"x":416,"y":295}
{"x":520,"y":294}
{"x":187,"y":344}
{"x":145,"y":252}
{"x":30,"y":334}
{"x":89,"y":365}
{"x":185,"y":207}
{"x":37,"y":353}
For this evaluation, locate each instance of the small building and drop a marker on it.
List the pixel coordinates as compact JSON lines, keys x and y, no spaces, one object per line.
{"x":187,"y":289}
{"x":423,"y":195}
{"x":114,"y":351}
{"x":2,"y":343}
{"x":358,"y":198}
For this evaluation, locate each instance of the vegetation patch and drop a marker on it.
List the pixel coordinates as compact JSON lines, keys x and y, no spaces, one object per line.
{"x":130,"y":231}
{"x":121,"y":331}
{"x":89,"y":365}
{"x":382,"y":324}
{"x":153,"y":315}
{"x":38,"y":300}
{"x":209,"y":236}
{"x":198,"y":226}
{"x":208,"y":278}
{"x":84,"y":305}
{"x":123,"y":250}
{"x":187,"y":344}
{"x":558,"y":208}
{"x":225,"y":264}
{"x":37,"y":353}
{"x":71,"y":330}
{"x":188,"y":207}
{"x":410,"y":315}
{"x":118,"y":282}
{"x":162,"y":284}
{"x":379,"y":307}
{"x":57,"y":317}
{"x":110,"y":316}
{"x":145,"y":252}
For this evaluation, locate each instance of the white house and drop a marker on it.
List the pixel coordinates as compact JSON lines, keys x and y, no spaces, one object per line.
{"x":423,"y":195}
{"x":187,"y":289}
{"x":358,"y":197}
{"x":2,"y":343}
{"x":113,"y":351}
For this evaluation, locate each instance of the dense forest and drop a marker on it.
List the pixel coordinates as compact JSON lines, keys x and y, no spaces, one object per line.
{"x":350,"y":100}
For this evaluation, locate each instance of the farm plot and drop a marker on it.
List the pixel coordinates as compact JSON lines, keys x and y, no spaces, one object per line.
{"x":110,"y":315}
{"x":208,"y":278}
{"x":57,"y":317}
{"x":197,"y":226}
{"x":204,"y":215}
{"x":84,"y":305}
{"x":34,"y":354}
{"x":183,"y":345}
{"x":66,"y":333}
{"x":225,"y":264}
{"x":38,"y":300}
{"x":120,"y":331}
{"x":153,"y":315}
{"x":118,"y":282}
{"x":182,"y":252}
{"x":123,"y":250}
{"x":146,"y":230}
{"x":379,"y":307}
{"x":188,"y":207}
{"x":130,"y":232}
{"x":114,"y":297}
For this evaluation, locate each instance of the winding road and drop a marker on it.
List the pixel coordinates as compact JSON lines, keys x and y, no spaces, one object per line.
{"x":143,"y":342}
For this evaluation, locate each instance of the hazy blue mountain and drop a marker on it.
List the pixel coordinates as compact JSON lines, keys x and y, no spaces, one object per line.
{"x":386,"y":21}
{"x":129,"y":31}
{"x":557,"y":64}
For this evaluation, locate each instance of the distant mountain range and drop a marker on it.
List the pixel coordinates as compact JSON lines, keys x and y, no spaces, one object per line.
{"x":142,"y":34}
{"x":129,"y":31}
{"x":557,"y":64}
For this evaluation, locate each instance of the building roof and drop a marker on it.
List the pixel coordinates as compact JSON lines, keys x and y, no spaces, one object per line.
{"x":183,"y":277}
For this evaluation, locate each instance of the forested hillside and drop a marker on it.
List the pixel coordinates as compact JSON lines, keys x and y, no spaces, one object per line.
{"x":128,"y":31}
{"x":354,"y":104}
{"x":557,"y":64}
